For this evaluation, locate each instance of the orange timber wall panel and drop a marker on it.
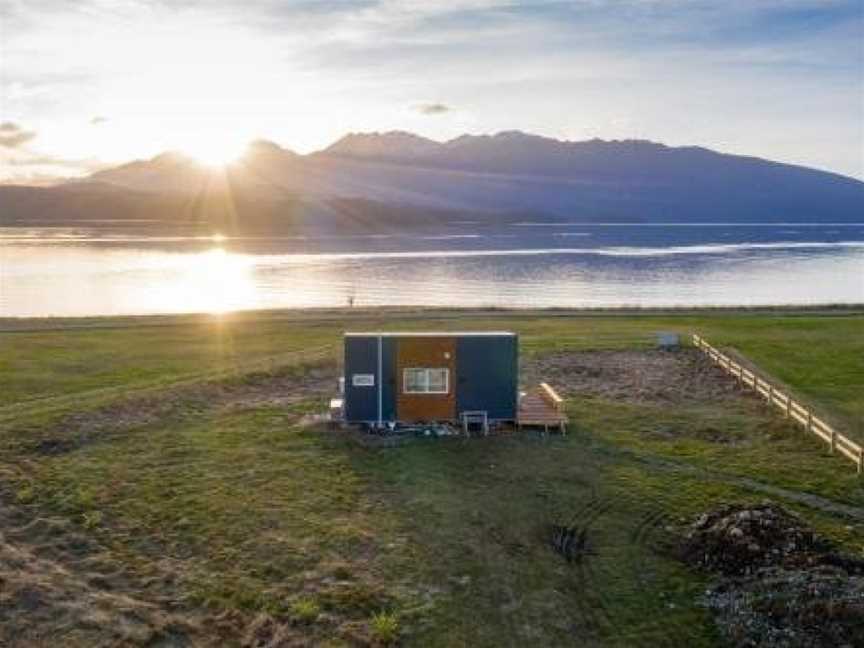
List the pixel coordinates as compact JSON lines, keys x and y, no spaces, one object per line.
{"x":425,"y":352}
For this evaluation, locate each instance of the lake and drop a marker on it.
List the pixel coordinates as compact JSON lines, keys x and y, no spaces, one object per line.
{"x":61,"y":271}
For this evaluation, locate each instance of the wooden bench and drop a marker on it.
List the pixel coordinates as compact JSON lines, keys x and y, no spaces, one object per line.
{"x":542,"y":406}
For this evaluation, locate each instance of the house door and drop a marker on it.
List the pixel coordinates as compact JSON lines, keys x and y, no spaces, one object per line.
{"x":426,"y":380}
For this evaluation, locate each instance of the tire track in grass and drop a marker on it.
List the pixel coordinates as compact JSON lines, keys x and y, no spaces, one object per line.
{"x":647,"y":525}
{"x":810,"y":500}
{"x":47,"y":404}
{"x":626,"y":562}
{"x":593,"y":615}
{"x":642,"y":574}
{"x":593,"y":599}
{"x":625,"y":571}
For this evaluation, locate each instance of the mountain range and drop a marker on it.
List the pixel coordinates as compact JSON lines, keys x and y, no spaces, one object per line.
{"x":399,"y":180}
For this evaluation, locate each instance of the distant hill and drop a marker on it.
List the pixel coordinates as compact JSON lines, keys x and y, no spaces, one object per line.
{"x":400,"y":179}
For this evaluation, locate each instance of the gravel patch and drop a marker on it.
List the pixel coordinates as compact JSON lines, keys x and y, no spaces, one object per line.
{"x":780,"y":585}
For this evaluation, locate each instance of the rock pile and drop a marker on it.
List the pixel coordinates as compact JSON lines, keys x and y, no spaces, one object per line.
{"x":738,"y":540}
{"x":781,"y":584}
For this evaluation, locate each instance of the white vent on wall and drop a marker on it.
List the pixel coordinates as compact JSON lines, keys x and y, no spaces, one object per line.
{"x":363,"y":380}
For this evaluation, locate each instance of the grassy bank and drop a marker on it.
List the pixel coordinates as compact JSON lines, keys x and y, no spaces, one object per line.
{"x":170,"y":465}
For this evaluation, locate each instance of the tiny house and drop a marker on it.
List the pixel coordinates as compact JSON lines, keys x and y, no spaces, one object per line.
{"x":426,"y":377}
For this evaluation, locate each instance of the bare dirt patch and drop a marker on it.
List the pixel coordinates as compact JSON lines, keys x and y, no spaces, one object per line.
{"x":58,"y":587}
{"x":635,"y":376}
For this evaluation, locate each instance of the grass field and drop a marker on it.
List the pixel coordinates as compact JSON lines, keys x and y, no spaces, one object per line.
{"x":159,"y":485}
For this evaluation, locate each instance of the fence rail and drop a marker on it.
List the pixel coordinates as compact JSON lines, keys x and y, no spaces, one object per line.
{"x":791,"y":408}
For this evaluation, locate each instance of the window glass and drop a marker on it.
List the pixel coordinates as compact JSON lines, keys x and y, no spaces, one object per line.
{"x":415,"y":380}
{"x":426,"y":380}
{"x":438,"y":380}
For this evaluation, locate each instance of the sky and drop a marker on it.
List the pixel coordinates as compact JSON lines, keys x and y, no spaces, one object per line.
{"x":93,"y":82}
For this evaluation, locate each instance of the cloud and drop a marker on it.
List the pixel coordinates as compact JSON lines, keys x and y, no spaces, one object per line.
{"x":42,"y":160}
{"x":13,"y":136}
{"x":20,"y":166}
{"x":779,"y":78}
{"x":432,"y":108}
{"x":98,"y":119}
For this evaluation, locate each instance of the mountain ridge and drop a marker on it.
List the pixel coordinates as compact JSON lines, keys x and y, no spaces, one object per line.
{"x":510,"y":172}
{"x":469,"y":150}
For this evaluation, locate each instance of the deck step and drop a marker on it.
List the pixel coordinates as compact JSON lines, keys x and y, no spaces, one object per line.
{"x":542,"y":407}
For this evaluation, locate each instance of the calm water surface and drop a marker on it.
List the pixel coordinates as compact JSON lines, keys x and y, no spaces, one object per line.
{"x":80,"y":271}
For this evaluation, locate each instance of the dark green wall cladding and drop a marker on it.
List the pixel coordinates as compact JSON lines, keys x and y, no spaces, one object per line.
{"x":388,"y":400}
{"x":361,"y":357}
{"x":487,"y":375}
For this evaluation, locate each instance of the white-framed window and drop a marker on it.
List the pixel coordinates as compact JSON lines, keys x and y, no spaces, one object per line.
{"x":426,"y":380}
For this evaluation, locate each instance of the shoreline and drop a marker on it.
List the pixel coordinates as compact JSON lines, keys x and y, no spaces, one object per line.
{"x":360,"y":313}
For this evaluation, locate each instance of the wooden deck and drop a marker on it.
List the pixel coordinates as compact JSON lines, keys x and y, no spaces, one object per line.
{"x":542,"y":407}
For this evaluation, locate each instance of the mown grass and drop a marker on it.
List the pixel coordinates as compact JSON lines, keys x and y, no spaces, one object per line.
{"x":259,"y":508}
{"x":450,"y":537}
{"x":743,"y":438}
{"x":439,"y":534}
{"x":818,"y":356}
{"x":40,"y":364}
{"x":445,"y":533}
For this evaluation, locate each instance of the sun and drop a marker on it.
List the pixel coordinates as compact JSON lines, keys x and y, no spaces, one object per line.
{"x":215,"y":151}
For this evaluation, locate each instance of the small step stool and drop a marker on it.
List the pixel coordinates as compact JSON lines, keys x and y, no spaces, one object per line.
{"x":480,"y":417}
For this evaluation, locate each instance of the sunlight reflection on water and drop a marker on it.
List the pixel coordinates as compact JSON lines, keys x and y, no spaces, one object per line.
{"x":67,"y":279}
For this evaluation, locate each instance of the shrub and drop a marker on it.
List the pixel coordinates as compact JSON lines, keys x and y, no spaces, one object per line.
{"x":25,"y":495}
{"x":305,"y":610}
{"x":384,"y":627}
{"x":92,"y":519}
{"x":80,"y":500}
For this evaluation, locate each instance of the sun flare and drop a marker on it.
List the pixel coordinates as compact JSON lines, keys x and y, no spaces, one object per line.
{"x":215,"y":151}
